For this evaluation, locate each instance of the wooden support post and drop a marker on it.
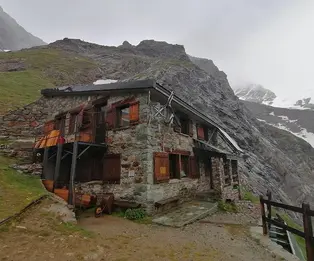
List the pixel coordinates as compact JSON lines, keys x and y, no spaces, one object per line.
{"x":308,"y":231}
{"x":269,"y":208}
{"x":45,"y":163}
{"x":58,"y":164}
{"x":263,"y":215}
{"x":72,"y":175}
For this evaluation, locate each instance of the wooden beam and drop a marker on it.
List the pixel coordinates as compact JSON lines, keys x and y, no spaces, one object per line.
{"x":58,"y":164}
{"x":73,"y":173}
{"x":45,"y":162}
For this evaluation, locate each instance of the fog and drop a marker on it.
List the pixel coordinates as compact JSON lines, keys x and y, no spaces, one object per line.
{"x":269,"y":42}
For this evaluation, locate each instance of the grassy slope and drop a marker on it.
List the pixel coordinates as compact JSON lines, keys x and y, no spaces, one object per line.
{"x":16,"y":190}
{"x":44,"y":68}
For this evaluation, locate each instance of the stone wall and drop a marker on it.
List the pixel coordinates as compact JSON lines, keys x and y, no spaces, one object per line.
{"x":24,"y":122}
{"x":131,"y":143}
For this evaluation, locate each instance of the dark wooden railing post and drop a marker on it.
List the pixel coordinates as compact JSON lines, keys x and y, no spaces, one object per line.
{"x":308,"y":232}
{"x":263,"y":215}
{"x":269,"y":208}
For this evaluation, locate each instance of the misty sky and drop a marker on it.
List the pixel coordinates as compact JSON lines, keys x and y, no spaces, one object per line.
{"x":270,"y":42}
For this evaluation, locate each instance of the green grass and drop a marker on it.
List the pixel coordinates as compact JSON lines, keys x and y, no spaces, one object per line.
{"x":45,"y":68}
{"x":247,"y":195}
{"x":227,"y":207}
{"x":16,"y":190}
{"x":291,"y":223}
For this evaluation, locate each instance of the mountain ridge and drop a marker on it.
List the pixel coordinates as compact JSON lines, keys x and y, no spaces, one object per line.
{"x":274,"y":159}
{"x":13,"y":36}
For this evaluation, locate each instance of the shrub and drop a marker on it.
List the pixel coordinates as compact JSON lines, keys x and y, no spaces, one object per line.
{"x":227,"y":207}
{"x":135,"y":214}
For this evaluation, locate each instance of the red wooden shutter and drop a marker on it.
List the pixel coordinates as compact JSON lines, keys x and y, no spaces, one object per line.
{"x":191,"y":128}
{"x":134,"y":112}
{"x":200,"y":133}
{"x":161,"y":166}
{"x":112,"y":168}
{"x":194,"y":171}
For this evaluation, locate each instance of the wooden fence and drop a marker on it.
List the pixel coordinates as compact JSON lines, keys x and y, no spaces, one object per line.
{"x":306,"y":212}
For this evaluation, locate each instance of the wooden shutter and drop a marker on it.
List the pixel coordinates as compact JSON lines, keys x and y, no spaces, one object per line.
{"x":194,"y":170}
{"x":112,"y":168}
{"x":200,"y":133}
{"x":191,"y":128}
{"x":134,"y":112}
{"x":161,"y":166}
{"x":110,"y":119}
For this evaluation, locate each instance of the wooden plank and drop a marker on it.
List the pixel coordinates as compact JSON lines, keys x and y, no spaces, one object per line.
{"x":308,"y":232}
{"x":72,"y":174}
{"x":58,"y":164}
{"x":281,"y":225}
{"x":284,"y":206}
{"x":263,"y":216}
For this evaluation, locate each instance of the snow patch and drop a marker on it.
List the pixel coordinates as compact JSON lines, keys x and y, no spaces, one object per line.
{"x":283,"y":117}
{"x":303,"y":134}
{"x":272,"y":113}
{"x":104,"y":81}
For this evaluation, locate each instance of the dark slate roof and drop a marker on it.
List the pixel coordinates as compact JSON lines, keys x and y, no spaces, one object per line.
{"x":93,"y":88}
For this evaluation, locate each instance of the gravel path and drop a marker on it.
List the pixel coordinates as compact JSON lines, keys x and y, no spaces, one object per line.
{"x":132,"y":241}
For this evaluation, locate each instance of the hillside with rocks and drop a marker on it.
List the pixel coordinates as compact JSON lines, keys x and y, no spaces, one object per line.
{"x":273,"y":159}
{"x":13,"y":36}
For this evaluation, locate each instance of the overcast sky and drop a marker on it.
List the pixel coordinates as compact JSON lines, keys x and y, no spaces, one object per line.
{"x":269,"y":42}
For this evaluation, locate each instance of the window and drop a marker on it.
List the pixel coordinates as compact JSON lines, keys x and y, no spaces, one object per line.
{"x":123,"y":114}
{"x":174,"y":167}
{"x":60,"y":123}
{"x":72,"y":123}
{"x":184,"y":126}
{"x":185,"y":172}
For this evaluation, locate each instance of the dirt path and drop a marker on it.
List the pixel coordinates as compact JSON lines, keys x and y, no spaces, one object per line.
{"x":40,"y":236}
{"x":131,"y":241}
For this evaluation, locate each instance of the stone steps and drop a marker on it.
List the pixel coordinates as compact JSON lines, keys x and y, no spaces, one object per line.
{"x":186,"y":213}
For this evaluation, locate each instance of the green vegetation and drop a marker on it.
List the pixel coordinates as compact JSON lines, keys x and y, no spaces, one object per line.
{"x":227,"y":207}
{"x":247,"y":195}
{"x":44,"y":68}
{"x":291,"y":223}
{"x":135,"y":214}
{"x":16,"y":190}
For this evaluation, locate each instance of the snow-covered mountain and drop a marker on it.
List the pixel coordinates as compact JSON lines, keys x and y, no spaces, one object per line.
{"x":258,"y":94}
{"x":294,"y":114}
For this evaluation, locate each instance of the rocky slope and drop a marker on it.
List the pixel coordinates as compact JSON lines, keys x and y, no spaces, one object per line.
{"x":257,"y":93}
{"x":297,"y":122}
{"x":273,"y":159}
{"x":296,"y":117}
{"x":13,"y":36}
